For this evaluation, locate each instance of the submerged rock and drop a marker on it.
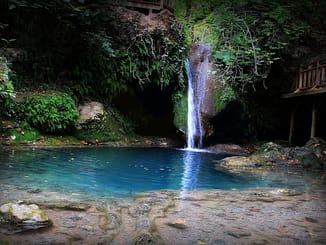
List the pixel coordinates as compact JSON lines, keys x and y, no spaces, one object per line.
{"x":18,"y":217}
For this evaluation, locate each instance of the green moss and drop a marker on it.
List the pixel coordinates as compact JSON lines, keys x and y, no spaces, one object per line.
{"x":23,"y":133}
{"x":111,"y":126}
{"x":59,"y":140}
{"x":222,"y":96}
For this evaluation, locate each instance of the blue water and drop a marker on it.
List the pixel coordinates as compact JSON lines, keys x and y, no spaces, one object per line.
{"x":108,"y":172}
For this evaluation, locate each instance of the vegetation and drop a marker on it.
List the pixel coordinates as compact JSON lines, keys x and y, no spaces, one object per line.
{"x":23,"y":133}
{"x":247,"y":35}
{"x":89,"y":50}
{"x":110,"y":126}
{"x":6,"y":87}
{"x":94,"y":50}
{"x":51,"y":113}
{"x":223,"y":96}
{"x":180,"y":111}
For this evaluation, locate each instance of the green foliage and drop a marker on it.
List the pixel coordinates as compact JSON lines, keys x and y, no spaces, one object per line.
{"x":180,"y":111}
{"x":97,"y":71}
{"x":222,"y":96}
{"x":6,"y":87}
{"x":247,"y":35}
{"x":251,"y":38}
{"x":154,"y":56}
{"x":93,"y":47}
{"x":111,"y":126}
{"x":25,"y":133}
{"x":49,"y":113}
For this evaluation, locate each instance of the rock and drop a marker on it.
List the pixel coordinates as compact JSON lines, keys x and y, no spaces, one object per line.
{"x":18,"y":217}
{"x":229,"y":149}
{"x":114,"y":221}
{"x":69,"y":206}
{"x":238,"y":234}
{"x":90,"y":110}
{"x":143,"y":223}
{"x":144,"y":239}
{"x":268,"y":154}
{"x":311,"y":220}
{"x":236,"y":162}
{"x":308,"y":159}
{"x":179,"y":224}
{"x":140,"y":209}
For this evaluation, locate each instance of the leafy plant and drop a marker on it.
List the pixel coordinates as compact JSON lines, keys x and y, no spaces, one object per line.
{"x":6,"y":87}
{"x":49,"y":113}
{"x":180,"y":111}
{"x":222,"y":96}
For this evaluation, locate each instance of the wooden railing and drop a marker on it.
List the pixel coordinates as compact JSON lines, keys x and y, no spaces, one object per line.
{"x":150,"y":4}
{"x":311,"y":79}
{"x":311,"y":76}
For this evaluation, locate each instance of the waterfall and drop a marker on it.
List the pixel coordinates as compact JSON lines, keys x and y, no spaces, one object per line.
{"x":191,"y":116}
{"x":197,"y":76}
{"x":194,"y":127}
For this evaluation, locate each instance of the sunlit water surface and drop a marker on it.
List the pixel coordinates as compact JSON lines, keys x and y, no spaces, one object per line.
{"x":123,"y":172}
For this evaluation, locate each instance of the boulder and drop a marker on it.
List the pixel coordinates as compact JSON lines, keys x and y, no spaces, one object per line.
{"x":312,"y":155}
{"x":237,"y":162}
{"x":90,"y":110}
{"x":18,"y":217}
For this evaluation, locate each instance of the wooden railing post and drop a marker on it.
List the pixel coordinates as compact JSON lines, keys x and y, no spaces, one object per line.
{"x":323,"y":75}
{"x":317,"y":84}
{"x":300,"y":78}
{"x":313,"y":121}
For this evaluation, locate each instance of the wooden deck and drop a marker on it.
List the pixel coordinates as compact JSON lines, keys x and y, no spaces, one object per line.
{"x":310,"y":80}
{"x":151,"y":5}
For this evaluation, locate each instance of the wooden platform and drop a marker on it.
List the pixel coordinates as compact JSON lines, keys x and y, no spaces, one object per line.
{"x":311,"y":91}
{"x":150,"y":4}
{"x":311,"y":79}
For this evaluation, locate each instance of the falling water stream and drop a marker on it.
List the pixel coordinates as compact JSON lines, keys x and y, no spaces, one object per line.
{"x":197,"y":77}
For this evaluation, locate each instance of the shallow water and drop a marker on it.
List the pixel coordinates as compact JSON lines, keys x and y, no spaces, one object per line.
{"x":103,"y":172}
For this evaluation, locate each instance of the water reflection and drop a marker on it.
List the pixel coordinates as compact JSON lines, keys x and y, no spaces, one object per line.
{"x":191,"y":167}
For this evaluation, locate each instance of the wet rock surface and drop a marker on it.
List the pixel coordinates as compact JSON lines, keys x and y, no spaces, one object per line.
{"x":256,"y":216}
{"x":19,"y":217}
